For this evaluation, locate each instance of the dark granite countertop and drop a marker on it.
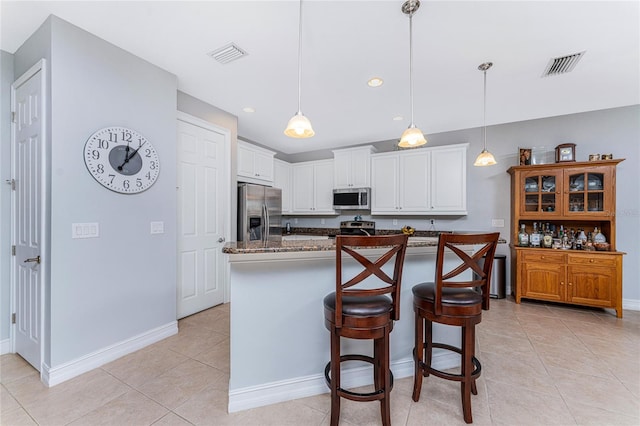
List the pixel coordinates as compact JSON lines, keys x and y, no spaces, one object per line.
{"x":417,"y":240}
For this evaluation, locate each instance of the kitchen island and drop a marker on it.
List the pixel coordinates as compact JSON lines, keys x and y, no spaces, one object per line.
{"x":279,"y":344}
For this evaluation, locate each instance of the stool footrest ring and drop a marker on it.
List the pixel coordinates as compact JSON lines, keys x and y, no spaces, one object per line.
{"x":450,"y":376}
{"x":378,"y":394}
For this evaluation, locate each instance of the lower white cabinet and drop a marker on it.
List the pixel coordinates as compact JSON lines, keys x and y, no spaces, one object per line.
{"x":282,"y":180}
{"x":420,"y":182}
{"x":312,"y":184}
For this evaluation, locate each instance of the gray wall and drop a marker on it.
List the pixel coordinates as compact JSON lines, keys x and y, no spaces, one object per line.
{"x":105,"y":290}
{"x":615,"y":131}
{"x":6,"y":78}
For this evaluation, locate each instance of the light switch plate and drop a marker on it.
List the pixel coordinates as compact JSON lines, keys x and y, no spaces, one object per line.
{"x":85,"y":230}
{"x":497,"y":223}
{"x":157,"y":227}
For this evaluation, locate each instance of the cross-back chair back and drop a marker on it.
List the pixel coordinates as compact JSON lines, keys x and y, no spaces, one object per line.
{"x":479,"y":263}
{"x":388,"y":284}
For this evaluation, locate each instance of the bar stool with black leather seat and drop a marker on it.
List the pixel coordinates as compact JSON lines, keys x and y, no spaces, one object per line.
{"x":366,"y":311}
{"x":454,"y":301}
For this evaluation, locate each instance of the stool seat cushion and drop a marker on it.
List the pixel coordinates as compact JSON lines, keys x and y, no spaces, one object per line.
{"x":450,"y":296}
{"x":360,"y":306}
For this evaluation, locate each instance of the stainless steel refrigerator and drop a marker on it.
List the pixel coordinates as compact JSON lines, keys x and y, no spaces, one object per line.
{"x":259,"y":213}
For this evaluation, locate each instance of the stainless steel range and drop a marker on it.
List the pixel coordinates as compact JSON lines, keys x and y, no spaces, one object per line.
{"x":357,"y":227}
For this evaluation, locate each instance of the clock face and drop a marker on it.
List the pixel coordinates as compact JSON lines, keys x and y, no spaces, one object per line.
{"x":121,"y":160}
{"x":566,"y":153}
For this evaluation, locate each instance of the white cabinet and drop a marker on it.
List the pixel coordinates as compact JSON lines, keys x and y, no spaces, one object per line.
{"x":352,"y":167}
{"x":312,"y":184}
{"x":255,"y":164}
{"x":400,"y":183}
{"x":420,"y":182}
{"x":449,"y":179}
{"x":282,"y":180}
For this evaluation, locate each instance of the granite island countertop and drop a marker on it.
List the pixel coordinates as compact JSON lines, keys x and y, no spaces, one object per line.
{"x":312,"y":245}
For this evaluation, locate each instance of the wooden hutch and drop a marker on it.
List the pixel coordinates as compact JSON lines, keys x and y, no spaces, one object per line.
{"x":576,"y":195}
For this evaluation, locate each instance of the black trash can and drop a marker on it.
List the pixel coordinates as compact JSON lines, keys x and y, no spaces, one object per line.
{"x":497,"y":286}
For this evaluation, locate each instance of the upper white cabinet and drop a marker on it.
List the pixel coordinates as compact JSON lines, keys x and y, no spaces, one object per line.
{"x":449,"y":179}
{"x":255,"y":164}
{"x":400,"y":183}
{"x":420,"y":182}
{"x":282,"y":180}
{"x":352,"y":167}
{"x":312,"y":183}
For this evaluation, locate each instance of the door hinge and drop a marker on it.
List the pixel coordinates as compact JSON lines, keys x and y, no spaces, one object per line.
{"x":13,"y":116}
{"x":11,"y":182}
{"x":13,"y":318}
{"x":13,"y":250}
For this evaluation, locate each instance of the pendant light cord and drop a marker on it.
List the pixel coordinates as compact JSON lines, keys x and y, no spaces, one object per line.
{"x":300,"y":58}
{"x":411,"y":65}
{"x":484,"y":118}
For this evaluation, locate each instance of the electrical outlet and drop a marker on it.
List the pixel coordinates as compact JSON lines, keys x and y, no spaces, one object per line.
{"x":321,"y":221}
{"x":295,"y":220}
{"x":497,"y":223}
{"x":432,"y":221}
{"x":395,"y":221}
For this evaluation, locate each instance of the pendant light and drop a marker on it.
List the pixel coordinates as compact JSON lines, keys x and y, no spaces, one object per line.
{"x":299,"y":126}
{"x":413,"y":136}
{"x":485,"y":158}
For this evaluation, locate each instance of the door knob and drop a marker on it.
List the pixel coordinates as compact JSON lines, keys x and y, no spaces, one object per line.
{"x":33,"y":259}
{"x":221,"y":240}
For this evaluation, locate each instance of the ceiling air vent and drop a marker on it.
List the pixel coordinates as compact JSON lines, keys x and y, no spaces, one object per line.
{"x":563,"y":64}
{"x":227,"y":53}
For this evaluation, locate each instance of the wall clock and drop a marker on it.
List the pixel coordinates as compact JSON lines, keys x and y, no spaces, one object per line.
{"x":121,"y":160}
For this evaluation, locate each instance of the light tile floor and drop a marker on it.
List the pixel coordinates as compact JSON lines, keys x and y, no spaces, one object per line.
{"x":543,"y":364}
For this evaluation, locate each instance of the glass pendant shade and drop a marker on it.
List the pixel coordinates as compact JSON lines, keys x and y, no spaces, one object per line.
{"x":412,"y":137}
{"x":299,"y":127}
{"x":485,"y":158}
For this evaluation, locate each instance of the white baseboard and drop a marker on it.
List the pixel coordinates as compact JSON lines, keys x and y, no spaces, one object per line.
{"x":631,"y":304}
{"x":5,"y":346}
{"x":56,"y":375}
{"x":302,"y":387}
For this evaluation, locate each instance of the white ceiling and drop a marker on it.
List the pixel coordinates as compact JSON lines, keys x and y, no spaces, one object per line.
{"x":347,"y":42}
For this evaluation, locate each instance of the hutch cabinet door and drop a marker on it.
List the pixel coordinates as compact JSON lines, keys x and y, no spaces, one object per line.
{"x":542,"y":193}
{"x":543,"y":275}
{"x":592,"y":280}
{"x":591,"y":287}
{"x":543,"y":281}
{"x":588,"y":191}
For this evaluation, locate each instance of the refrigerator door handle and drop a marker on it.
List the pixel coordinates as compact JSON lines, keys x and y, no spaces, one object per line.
{"x":267,"y":223}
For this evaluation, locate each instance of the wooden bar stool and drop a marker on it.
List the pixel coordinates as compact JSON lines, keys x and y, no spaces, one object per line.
{"x":365,"y":312}
{"x":453,"y":302}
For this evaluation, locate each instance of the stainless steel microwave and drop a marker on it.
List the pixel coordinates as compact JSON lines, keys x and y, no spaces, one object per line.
{"x":352,"y":199}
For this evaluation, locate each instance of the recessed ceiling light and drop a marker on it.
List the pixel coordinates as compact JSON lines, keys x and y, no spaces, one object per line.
{"x":398,"y":118}
{"x":248,"y":109}
{"x":375,"y":82}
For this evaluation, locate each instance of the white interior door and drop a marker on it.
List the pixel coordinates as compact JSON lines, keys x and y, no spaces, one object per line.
{"x":203,"y":222}
{"x":27,"y":203}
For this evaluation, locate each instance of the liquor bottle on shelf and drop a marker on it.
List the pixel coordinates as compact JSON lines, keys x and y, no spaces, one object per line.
{"x":547,"y":239}
{"x":534,"y":238}
{"x":582,"y":236}
{"x":598,"y":237}
{"x":523,"y":237}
